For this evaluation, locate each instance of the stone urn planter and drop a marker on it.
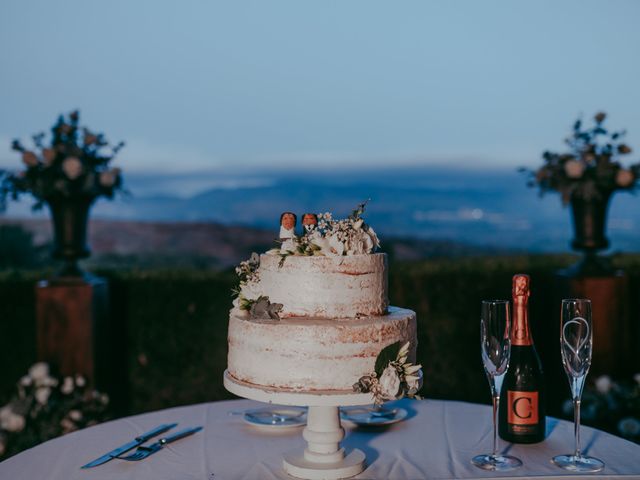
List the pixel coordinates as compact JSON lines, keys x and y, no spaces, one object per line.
{"x":590,"y":234}
{"x":70,"y":217}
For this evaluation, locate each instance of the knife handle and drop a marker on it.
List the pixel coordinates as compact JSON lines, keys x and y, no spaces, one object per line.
{"x":156,"y":431}
{"x":179,"y":435}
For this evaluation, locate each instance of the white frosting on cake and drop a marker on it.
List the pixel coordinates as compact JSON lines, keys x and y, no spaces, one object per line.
{"x":307,"y":354}
{"x":322,"y":286}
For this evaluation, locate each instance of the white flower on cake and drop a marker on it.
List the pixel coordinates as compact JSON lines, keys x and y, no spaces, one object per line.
{"x":394,"y":377}
{"x":390,"y":382}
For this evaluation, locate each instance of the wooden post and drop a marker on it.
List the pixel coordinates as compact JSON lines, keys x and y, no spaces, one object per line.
{"x":72,"y":326}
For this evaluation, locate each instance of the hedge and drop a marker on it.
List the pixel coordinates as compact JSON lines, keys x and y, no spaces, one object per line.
{"x":169,"y":327}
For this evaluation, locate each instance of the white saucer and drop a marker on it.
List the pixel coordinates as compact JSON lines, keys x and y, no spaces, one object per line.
{"x":276,"y":417}
{"x":368,"y":417}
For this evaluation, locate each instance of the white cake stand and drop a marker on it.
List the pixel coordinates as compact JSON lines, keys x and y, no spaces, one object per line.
{"x":323,"y":458}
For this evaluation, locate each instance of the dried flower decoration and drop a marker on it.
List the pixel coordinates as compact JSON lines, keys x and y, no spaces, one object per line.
{"x":591,"y":168}
{"x":260,"y":308}
{"x":394,"y":377}
{"x":74,"y":164}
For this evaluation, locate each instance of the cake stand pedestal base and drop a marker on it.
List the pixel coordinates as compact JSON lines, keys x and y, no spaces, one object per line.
{"x":323,"y":458}
{"x":297,"y":466}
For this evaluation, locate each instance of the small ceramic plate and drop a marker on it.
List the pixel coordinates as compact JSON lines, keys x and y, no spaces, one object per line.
{"x":276,"y":417}
{"x":370,"y":417}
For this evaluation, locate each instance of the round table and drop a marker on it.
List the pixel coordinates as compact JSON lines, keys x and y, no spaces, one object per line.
{"x":437,"y":440}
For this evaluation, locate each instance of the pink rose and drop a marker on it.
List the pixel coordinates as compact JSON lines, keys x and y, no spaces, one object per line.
{"x":30,"y":159}
{"x":574,"y":168}
{"x":625,"y":178}
{"x":72,"y":167}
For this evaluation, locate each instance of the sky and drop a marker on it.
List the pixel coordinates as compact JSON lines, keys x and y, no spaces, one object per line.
{"x":212,"y":85}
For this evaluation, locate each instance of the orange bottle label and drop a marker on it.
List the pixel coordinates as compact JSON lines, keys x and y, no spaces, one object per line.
{"x":522,"y":408}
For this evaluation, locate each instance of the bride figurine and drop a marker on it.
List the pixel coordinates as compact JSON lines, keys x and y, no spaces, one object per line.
{"x":288,"y":231}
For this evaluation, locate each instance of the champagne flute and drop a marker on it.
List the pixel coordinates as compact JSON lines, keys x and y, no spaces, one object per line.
{"x":495,"y":338}
{"x":576,"y":342}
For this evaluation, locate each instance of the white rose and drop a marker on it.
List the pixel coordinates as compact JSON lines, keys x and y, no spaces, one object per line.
{"x":374,"y":238}
{"x":413,"y":385}
{"x":39,"y":371}
{"x":67,"y":386}
{"x":334,"y":246}
{"x":574,"y":168}
{"x":47,"y":382}
{"x":368,"y":243}
{"x":67,"y":425}
{"x":11,"y":421}
{"x":390,"y":382}
{"x":289,"y":245}
{"x":604,"y":384}
{"x":356,"y":246}
{"x":624,"y":178}
{"x":26,"y":381}
{"x":80,"y":381}
{"x":75,"y":415}
{"x":72,"y":167}
{"x":42,"y":395}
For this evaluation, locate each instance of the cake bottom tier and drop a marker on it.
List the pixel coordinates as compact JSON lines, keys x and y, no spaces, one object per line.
{"x":308,"y":354}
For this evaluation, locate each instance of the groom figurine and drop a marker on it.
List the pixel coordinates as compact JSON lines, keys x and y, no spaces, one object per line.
{"x":309,"y":223}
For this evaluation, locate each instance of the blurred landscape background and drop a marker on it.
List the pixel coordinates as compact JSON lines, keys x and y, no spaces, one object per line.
{"x":235,"y":112}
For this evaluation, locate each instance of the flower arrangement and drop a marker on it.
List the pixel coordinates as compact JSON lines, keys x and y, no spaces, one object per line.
{"x":612,"y":405}
{"x":394,"y":377}
{"x":73,"y":164}
{"x":591,"y":169}
{"x":348,"y":236}
{"x":45,"y":407}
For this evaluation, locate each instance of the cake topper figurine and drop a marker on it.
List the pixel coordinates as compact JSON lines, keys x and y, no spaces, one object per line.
{"x":287,"y":236}
{"x":288,"y":222}
{"x":309,"y":223}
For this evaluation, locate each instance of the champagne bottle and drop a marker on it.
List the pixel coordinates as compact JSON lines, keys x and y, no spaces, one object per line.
{"x":522,"y":400}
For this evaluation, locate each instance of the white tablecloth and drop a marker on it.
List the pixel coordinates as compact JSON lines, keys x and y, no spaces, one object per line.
{"x":437,"y":441}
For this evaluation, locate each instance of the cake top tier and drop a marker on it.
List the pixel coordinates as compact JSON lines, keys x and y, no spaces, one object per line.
{"x":330,"y":270}
{"x":322,"y":235}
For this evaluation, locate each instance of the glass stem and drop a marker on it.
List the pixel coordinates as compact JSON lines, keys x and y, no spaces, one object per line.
{"x":576,"y":424}
{"x":496,"y":404}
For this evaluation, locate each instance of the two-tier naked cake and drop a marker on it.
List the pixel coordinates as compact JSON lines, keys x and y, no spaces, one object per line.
{"x":314,"y":314}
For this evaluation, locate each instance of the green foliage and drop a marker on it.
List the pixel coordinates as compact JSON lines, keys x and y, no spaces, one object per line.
{"x":17,"y":249}
{"x":387,"y":355}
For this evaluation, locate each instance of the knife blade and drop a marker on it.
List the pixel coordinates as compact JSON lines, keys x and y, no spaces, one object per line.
{"x":139,"y":440}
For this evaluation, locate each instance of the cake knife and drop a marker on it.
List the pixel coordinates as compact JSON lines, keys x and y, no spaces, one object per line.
{"x":139,"y":440}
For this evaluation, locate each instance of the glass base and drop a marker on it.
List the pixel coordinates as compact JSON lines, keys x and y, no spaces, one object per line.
{"x":578,"y":463}
{"x":496,"y":463}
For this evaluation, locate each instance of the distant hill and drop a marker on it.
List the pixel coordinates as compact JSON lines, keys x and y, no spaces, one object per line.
{"x":206,"y":244}
{"x":485,"y":208}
